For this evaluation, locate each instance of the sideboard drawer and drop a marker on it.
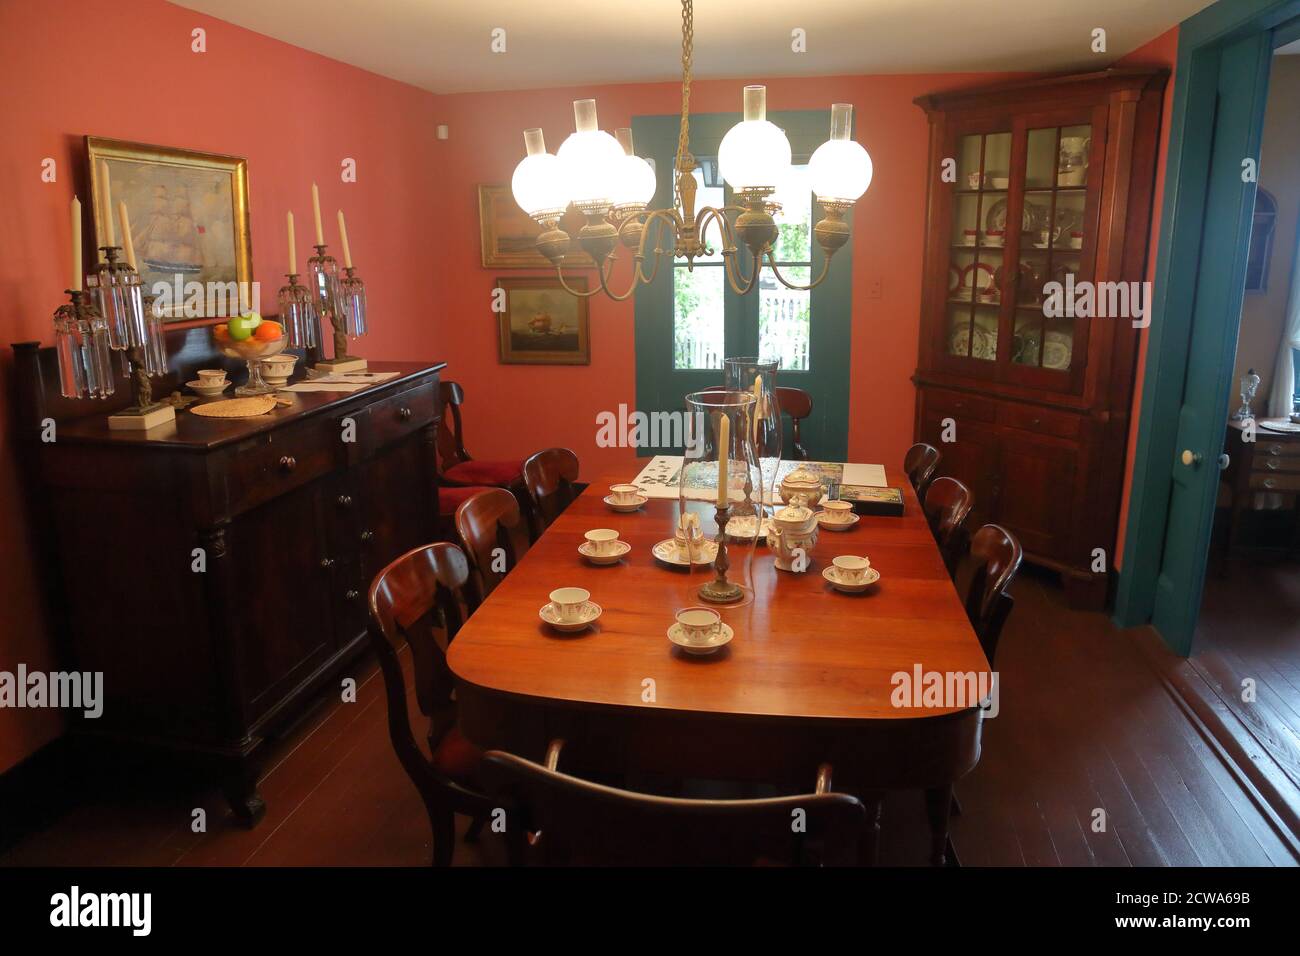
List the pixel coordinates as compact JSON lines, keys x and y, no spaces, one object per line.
{"x":1272,"y":448}
{"x":1035,"y":419}
{"x":1272,"y":464}
{"x":959,"y":405}
{"x":399,"y":416}
{"x":1279,"y":482}
{"x":272,"y":464}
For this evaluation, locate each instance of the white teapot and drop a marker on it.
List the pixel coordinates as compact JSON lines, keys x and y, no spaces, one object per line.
{"x":794,"y":530}
{"x":801,"y":484}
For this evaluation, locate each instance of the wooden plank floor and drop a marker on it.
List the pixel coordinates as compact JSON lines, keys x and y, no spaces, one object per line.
{"x":1085,"y":724}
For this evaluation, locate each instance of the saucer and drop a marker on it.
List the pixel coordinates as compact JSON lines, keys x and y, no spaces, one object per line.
{"x":832,"y":574}
{"x":620,"y":548}
{"x":625,"y":508}
{"x":207,"y":391}
{"x":722,"y":637}
{"x":666,"y":551}
{"x":742,"y":529}
{"x":591,"y":612}
{"x":829,"y":525}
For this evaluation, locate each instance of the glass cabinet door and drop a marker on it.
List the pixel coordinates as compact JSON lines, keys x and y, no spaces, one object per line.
{"x":979,"y":235}
{"x":1057,"y":227}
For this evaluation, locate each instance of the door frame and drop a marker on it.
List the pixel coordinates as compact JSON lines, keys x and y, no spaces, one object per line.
{"x":1184,"y":241}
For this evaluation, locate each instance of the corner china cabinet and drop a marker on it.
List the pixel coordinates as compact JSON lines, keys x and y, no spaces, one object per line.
{"x":1037,"y":182}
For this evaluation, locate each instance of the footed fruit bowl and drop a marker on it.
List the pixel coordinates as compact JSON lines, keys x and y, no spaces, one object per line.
{"x":251,"y":338}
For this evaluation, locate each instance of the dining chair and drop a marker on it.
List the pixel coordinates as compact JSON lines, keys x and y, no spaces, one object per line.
{"x":796,"y":403}
{"x":983,"y":575}
{"x":919,"y":464}
{"x":457,"y":468}
{"x":549,"y":479}
{"x":947,"y":503}
{"x":414,"y":599}
{"x":493,"y":536}
{"x":555,"y":818}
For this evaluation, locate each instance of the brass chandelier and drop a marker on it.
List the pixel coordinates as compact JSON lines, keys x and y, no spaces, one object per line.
{"x":612,"y":187}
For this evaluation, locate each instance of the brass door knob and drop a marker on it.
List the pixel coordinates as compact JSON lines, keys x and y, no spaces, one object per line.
{"x":404,"y":413}
{"x":327,"y":563}
{"x":1191,"y":458}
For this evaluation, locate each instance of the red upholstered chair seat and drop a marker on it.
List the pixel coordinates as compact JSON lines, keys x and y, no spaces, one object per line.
{"x":475,"y":472}
{"x":456,"y":757}
{"x":451,"y":498}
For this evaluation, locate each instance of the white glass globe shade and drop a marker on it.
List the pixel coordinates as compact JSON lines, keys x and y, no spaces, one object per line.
{"x":636,"y":182}
{"x":538,"y":184}
{"x":754,"y":154}
{"x":592,"y":163}
{"x":840,"y":169}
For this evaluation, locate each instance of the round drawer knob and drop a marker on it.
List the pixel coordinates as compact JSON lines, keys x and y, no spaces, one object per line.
{"x":288,"y":463}
{"x":345,"y":501}
{"x":1272,"y":465}
{"x":352,"y":595}
{"x":1035,"y":421}
{"x":1275,"y":449}
{"x":367,"y":535}
{"x":1270,"y":483}
{"x":327,"y":563}
{"x":404,"y":413}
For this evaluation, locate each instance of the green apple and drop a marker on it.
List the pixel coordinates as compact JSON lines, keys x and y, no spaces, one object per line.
{"x":241,"y":326}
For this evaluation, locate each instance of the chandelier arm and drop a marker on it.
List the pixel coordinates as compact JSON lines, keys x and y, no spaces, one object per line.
{"x":601,"y":271}
{"x":741,"y":285}
{"x":662,"y":218}
{"x":826,"y":265}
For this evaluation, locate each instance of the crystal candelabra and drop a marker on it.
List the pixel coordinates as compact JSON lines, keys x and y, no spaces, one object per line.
{"x":298,"y":314}
{"x":331,"y":303}
{"x":81,"y":339}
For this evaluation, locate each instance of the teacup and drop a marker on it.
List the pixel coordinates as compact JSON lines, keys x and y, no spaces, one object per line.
{"x":624,"y":494}
{"x":852,"y":568}
{"x":699,"y":624}
{"x":838,"y":511}
{"x":602,"y":540}
{"x":568,"y":602}
{"x":212,"y":376}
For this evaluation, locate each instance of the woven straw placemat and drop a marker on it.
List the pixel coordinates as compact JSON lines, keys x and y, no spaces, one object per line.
{"x":249,"y":407}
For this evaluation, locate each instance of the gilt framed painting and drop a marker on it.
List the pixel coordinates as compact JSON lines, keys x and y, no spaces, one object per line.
{"x":188,"y":213}
{"x":542,"y":324}
{"x":508,"y":235}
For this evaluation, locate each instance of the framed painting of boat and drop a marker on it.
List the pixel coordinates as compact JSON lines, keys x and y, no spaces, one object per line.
{"x":508,"y":235}
{"x":189,"y":224}
{"x":542,"y":324}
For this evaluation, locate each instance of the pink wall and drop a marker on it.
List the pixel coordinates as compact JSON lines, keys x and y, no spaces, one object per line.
{"x":1160,"y":52}
{"x":559,"y":404}
{"x":72,"y":67}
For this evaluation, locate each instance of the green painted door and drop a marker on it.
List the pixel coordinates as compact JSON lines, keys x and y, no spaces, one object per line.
{"x":689,"y":319}
{"x":1216,"y":311}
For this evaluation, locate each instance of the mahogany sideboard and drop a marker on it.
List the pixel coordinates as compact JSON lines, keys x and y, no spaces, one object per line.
{"x":215,"y":570}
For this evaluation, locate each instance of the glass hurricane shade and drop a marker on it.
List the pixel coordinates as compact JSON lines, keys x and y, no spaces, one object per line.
{"x":840,"y":170}
{"x":755,"y":153}
{"x":538,"y":186}
{"x":636,"y":182}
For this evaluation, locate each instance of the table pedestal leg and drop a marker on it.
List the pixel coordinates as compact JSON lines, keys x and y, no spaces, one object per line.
{"x":938,"y":806}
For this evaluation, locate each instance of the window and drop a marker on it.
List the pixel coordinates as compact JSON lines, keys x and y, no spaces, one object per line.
{"x":700,"y":301}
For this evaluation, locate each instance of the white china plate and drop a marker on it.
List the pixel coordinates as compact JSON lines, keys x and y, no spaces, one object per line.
{"x":832,"y":575}
{"x":721,"y":638}
{"x":1279,"y":425}
{"x":628,"y":507}
{"x":207,"y":391}
{"x":666,"y":551}
{"x":620,"y":548}
{"x":742,"y":529}
{"x":591,"y":612}
{"x":824,"y":520}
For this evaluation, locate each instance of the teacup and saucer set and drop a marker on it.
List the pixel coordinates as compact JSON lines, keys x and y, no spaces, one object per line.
{"x":625,"y":498}
{"x":687,"y":545}
{"x":210,"y":383}
{"x":570,"y":609}
{"x":851,"y":574}
{"x":699,"y":630}
{"x":837,"y":516}
{"x":603,"y":546}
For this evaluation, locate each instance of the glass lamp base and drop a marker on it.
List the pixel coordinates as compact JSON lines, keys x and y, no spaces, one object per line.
{"x":256,"y":385}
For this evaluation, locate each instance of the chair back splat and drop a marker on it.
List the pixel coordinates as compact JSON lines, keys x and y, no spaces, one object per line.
{"x":485,"y":522}
{"x":947,"y":503}
{"x":982,"y":579}
{"x":919,"y":464}
{"x":550,"y":478}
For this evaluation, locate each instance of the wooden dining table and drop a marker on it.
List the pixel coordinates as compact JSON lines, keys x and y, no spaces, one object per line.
{"x":810,"y":676}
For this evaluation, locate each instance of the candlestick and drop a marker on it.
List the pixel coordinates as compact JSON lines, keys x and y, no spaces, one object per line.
{"x":724,"y":453}
{"x":77,"y":274}
{"x":315,"y":211}
{"x":720,"y":590}
{"x":127,"y":244}
{"x":107,"y":193}
{"x":343,"y":237}
{"x":293,"y":249}
{"x":328,"y":293}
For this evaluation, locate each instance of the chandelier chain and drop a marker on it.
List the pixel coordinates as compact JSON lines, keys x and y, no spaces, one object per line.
{"x":688,"y":52}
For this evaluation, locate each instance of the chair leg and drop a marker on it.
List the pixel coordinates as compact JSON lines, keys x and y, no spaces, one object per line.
{"x":475,"y":828}
{"x":938,"y":806}
{"x":443,"y":823}
{"x":869,"y":844}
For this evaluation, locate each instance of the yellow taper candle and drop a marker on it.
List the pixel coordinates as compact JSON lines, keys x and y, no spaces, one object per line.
{"x":109,"y":238}
{"x":125,"y":222}
{"x":724,"y":453}
{"x":76,"y":245}
{"x":315,"y":210}
{"x":343,"y":238}
{"x":293,"y":252}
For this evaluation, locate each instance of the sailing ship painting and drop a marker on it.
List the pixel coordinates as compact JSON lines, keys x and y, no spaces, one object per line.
{"x":189,"y":220}
{"x":543,"y":324}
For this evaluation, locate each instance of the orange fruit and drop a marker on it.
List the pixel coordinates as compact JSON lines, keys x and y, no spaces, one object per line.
{"x":268,"y":332}
{"x":221,"y":333}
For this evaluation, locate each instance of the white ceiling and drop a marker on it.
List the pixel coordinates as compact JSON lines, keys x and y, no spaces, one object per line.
{"x":1291,"y":49}
{"x":444,"y":45}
